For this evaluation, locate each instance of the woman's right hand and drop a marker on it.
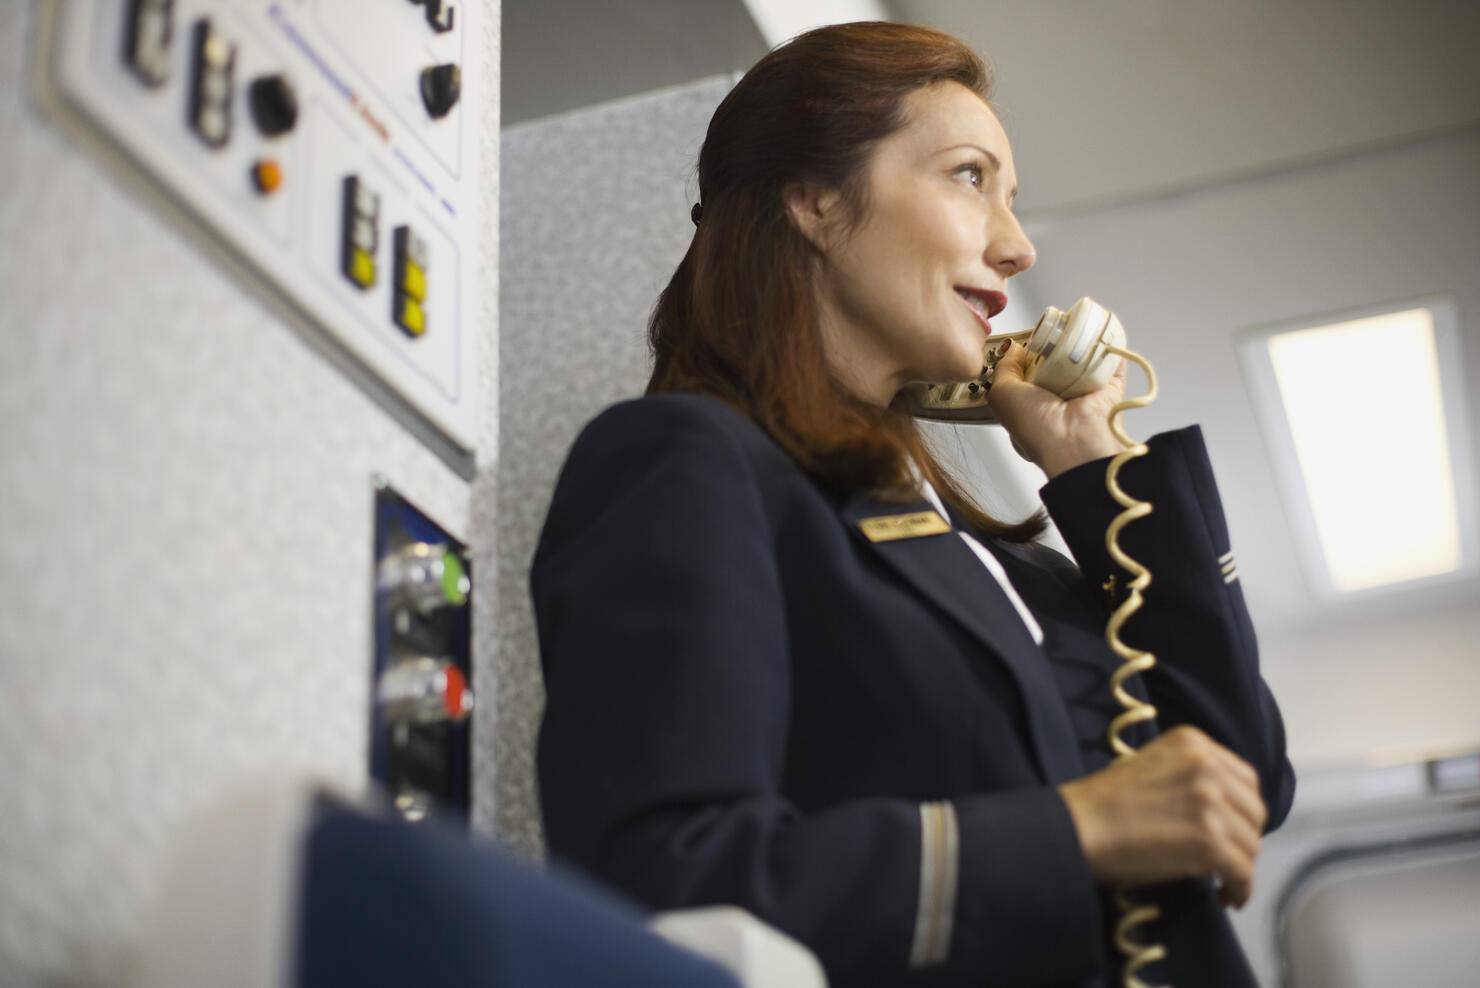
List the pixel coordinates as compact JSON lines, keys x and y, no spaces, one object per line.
{"x":1181,"y":807}
{"x":1054,"y":433}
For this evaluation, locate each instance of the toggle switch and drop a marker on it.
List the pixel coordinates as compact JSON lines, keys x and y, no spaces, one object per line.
{"x":424,"y":690}
{"x":147,"y":37}
{"x":408,"y":302}
{"x":274,"y":104}
{"x":423,"y":577}
{"x":439,"y":15}
{"x":212,"y":82}
{"x":441,"y":85}
{"x":360,"y":232}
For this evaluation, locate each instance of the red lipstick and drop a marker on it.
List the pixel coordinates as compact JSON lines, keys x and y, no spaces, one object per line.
{"x":983,"y":304}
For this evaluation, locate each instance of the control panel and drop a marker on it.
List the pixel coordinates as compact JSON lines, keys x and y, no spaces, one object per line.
{"x":422,"y":672}
{"x":331,"y":145}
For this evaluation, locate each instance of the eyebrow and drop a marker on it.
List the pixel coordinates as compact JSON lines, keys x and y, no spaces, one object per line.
{"x":995,"y":161}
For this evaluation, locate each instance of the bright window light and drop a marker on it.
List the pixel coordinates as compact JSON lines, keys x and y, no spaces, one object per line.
{"x":1366,"y":418}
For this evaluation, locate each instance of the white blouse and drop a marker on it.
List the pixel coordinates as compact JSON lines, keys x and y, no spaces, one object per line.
{"x":990,"y":562}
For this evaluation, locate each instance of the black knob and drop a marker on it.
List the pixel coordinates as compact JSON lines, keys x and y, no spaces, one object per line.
{"x":274,"y":104}
{"x":439,"y":15}
{"x":440,"y":87}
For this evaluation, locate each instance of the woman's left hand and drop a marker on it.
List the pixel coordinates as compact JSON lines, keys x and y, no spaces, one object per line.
{"x":1055,"y":434}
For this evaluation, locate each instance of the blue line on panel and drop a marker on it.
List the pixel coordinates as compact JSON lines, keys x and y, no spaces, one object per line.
{"x":281,"y":19}
{"x":401,"y":156}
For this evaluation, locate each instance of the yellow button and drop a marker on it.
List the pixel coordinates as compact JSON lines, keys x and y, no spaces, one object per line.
{"x":362,"y":268}
{"x":412,"y":317}
{"x":414,"y":283}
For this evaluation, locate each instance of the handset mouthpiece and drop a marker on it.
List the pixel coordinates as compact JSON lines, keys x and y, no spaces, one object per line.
{"x":1068,"y":353}
{"x":964,"y":401}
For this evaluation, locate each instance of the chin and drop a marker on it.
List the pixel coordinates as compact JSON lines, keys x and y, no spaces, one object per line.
{"x":966,"y":369}
{"x":956,"y":358}
{"x":968,"y":358}
{"x":959,"y":374}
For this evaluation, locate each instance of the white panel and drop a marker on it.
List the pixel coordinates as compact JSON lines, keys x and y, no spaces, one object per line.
{"x":356,"y":70}
{"x":185,"y":535}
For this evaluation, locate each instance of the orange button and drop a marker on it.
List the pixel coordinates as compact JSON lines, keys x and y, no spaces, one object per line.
{"x":267,"y":175}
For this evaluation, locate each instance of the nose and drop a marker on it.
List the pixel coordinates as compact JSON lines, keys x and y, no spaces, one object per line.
{"x":1009,"y":251}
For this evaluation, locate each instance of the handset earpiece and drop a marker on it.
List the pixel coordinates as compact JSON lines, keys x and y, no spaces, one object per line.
{"x":1068,"y":352}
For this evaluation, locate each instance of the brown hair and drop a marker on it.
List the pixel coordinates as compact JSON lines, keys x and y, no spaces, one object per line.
{"x":738,"y":319}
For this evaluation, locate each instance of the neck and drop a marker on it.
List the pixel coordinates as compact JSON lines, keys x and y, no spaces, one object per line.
{"x":860,"y":372}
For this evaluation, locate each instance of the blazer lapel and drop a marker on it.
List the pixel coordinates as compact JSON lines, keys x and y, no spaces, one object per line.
{"x":944,"y":569}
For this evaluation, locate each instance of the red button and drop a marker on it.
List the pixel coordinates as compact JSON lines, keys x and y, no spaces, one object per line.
{"x":452,"y":694}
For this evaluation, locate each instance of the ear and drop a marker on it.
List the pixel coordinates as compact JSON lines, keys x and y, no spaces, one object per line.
{"x":815,"y":211}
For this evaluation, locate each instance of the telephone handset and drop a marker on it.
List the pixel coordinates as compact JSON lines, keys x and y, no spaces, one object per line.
{"x":1069,"y":353}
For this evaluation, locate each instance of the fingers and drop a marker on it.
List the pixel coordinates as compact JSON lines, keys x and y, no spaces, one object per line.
{"x":1183,"y":806}
{"x":1010,"y":367}
{"x":1235,"y":891}
{"x":1228,"y":814}
{"x":1249,"y":804}
{"x":1233,"y":865}
{"x":1230,"y":845}
{"x":1238,"y":781}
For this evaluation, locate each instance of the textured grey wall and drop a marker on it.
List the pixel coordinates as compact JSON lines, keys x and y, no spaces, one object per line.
{"x":594,"y":217}
{"x":185,"y":541}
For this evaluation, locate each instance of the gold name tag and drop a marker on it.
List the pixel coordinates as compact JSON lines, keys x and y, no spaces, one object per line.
{"x":887,"y":528}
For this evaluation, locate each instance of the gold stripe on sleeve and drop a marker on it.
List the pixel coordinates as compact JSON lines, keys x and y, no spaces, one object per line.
{"x":939,"y":867}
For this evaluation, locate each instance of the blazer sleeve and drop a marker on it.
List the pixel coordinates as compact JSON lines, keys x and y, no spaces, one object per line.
{"x":663,"y":638}
{"x":1194,"y":619}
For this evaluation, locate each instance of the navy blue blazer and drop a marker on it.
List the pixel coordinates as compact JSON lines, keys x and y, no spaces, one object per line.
{"x":750,"y":702}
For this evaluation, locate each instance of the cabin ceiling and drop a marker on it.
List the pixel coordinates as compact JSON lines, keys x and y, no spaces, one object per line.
{"x":1107,"y":101}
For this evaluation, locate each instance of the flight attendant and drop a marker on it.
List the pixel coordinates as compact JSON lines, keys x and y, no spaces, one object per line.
{"x":887,"y":739}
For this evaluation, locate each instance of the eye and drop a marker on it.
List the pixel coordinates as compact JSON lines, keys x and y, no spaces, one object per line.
{"x":973,"y":172}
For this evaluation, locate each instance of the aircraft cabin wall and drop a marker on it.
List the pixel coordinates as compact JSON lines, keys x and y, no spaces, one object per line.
{"x":187,"y":501}
{"x":186,"y":483}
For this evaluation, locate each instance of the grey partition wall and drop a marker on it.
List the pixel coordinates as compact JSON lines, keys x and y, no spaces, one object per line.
{"x":594,"y":216}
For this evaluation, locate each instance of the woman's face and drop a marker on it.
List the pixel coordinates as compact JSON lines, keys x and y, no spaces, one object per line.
{"x":907,"y":294}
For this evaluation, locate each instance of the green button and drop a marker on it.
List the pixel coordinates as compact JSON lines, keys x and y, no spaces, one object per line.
{"x":455,"y":582}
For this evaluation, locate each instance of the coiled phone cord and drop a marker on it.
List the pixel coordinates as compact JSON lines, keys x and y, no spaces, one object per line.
{"x":1134,"y":660}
